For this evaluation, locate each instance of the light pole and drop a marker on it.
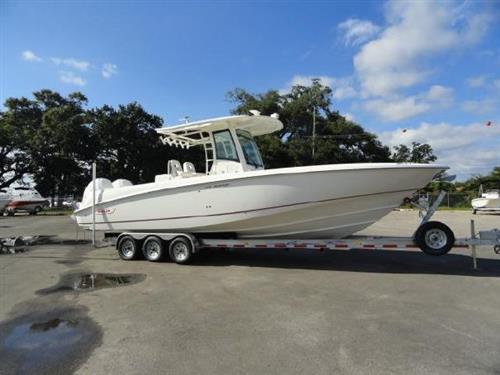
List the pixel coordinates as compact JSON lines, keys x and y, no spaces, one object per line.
{"x":314,"y":131}
{"x":93,"y":201}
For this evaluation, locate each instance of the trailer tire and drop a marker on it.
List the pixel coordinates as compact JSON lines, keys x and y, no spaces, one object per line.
{"x":180,"y":250}
{"x":434,"y":238}
{"x":153,"y":249}
{"x":128,"y":248}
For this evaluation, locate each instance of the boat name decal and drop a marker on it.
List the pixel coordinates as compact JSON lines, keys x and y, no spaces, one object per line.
{"x":105,"y":211}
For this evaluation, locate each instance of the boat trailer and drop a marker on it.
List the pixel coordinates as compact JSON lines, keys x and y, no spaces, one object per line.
{"x":432,"y":237}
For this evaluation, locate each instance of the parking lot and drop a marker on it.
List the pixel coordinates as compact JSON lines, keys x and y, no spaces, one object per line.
{"x":249,"y":311}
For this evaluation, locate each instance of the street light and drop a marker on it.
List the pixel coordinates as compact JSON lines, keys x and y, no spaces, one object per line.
{"x":314,"y":131}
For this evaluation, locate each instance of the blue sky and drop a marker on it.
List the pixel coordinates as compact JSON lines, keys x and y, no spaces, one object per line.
{"x":432,"y":68}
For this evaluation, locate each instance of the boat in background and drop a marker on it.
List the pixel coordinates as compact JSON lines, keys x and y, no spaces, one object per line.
{"x":237,"y":197}
{"x":25,"y":199}
{"x":4,"y":199}
{"x":488,"y":201}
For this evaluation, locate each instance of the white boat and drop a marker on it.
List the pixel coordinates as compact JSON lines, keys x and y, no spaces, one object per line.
{"x":4,"y":199}
{"x":488,"y":201}
{"x":25,"y":199}
{"x":236,"y":196}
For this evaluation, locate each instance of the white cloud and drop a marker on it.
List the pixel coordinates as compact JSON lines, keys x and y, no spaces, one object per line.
{"x":356,"y":31}
{"x":343,"y":88}
{"x":440,"y":94}
{"x":416,"y":30}
{"x":30,"y":56}
{"x":442,"y":136}
{"x":464,"y":148}
{"x":108,"y":70}
{"x":396,"y":109}
{"x":349,"y":116}
{"x":71,"y":63}
{"x":71,"y":78}
{"x":475,"y":81}
{"x":482,"y":106}
{"x":402,"y":108}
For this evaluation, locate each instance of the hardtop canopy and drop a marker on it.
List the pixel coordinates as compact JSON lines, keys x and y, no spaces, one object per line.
{"x":198,"y":133}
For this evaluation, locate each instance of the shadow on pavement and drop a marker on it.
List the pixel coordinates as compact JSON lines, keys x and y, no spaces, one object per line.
{"x":377,"y":261}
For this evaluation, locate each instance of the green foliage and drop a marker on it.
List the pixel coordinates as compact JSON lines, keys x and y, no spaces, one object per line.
{"x":127,"y":145}
{"x":490,"y":181}
{"x":62,"y":148}
{"x":55,"y":139}
{"x":418,"y":153}
{"x":337,"y":140}
{"x":18,"y":125}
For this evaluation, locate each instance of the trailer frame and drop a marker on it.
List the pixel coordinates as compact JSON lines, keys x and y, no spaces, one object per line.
{"x":482,"y":238}
{"x":194,"y":243}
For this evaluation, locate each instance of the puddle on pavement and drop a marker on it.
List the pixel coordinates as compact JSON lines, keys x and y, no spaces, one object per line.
{"x":51,"y":342}
{"x":54,"y":240}
{"x":68,"y":262}
{"x":85,"y":281}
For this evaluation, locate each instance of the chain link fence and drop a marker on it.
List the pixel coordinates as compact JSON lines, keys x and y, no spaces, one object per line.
{"x":451,"y":200}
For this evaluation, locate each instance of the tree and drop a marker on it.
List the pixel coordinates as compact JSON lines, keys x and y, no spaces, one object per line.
{"x":62,"y":148}
{"x":337,"y":139}
{"x":490,"y":181}
{"x":47,"y":138}
{"x":18,"y":123}
{"x":127,"y":145}
{"x":418,"y":153}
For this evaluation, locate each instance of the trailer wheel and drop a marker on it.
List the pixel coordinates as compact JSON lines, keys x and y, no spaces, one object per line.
{"x":434,"y":238}
{"x":153,"y":249}
{"x":180,"y":250}
{"x":128,"y":248}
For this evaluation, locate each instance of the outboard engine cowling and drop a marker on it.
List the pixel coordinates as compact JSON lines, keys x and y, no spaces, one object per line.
{"x":100,"y":185}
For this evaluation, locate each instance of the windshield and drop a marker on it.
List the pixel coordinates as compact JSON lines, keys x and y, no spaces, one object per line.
{"x":224,"y":146}
{"x":250,"y":149}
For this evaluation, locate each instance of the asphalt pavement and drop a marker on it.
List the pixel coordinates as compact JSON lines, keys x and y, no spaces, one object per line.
{"x":68,"y":307}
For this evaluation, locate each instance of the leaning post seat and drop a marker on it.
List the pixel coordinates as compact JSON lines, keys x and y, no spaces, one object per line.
{"x":174,"y":168}
{"x":188,"y":168}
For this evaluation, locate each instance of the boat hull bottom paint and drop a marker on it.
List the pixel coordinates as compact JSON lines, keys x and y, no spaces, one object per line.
{"x":323,"y":204}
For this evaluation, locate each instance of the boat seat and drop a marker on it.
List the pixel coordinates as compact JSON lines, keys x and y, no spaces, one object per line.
{"x":174,"y":168}
{"x":121,"y":182}
{"x":188,"y":168}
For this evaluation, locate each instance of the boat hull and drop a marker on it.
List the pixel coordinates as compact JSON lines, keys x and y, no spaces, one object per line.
{"x":26,"y":205}
{"x":3,"y":203}
{"x":306,"y":202}
{"x":486,"y":204}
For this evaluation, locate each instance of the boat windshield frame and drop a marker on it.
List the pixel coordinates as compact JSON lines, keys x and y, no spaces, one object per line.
{"x":245,"y":137}
{"x":234,"y":149}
